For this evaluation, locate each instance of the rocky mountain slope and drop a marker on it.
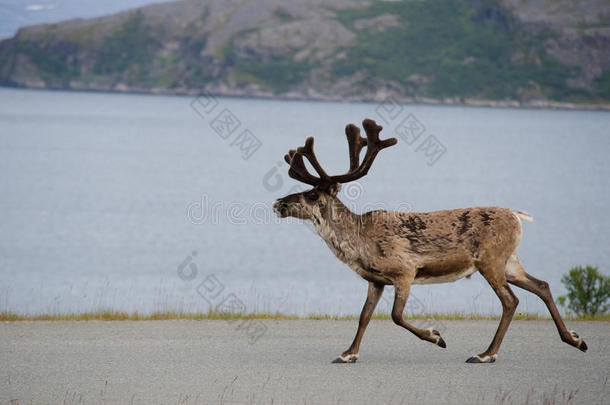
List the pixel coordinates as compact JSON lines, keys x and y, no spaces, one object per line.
{"x":510,"y":52}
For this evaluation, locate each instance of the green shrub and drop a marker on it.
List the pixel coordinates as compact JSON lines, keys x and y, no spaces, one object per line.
{"x":588,"y":291}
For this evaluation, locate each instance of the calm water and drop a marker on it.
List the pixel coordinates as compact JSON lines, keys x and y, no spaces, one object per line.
{"x":105,"y":197}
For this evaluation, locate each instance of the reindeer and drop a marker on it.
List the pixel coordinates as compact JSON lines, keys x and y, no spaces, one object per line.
{"x":405,"y":248}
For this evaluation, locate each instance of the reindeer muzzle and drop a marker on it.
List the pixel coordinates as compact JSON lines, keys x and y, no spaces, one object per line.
{"x":280,"y":208}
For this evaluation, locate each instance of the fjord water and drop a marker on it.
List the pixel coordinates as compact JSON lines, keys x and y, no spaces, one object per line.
{"x":104,"y":199}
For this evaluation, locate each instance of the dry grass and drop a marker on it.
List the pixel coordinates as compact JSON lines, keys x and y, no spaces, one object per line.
{"x":8,"y":316}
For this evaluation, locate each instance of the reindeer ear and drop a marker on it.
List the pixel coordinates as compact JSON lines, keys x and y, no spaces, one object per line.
{"x":334,"y":189}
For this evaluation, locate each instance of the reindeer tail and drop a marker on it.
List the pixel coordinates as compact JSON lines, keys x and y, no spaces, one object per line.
{"x":524,"y":216}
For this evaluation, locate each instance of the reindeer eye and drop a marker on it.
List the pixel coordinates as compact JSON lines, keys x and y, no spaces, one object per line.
{"x":311,"y":195}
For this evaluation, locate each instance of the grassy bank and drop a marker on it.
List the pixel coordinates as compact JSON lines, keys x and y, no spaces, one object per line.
{"x":8,"y":316}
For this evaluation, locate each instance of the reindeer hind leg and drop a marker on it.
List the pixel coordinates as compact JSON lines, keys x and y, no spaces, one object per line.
{"x":516,"y":275}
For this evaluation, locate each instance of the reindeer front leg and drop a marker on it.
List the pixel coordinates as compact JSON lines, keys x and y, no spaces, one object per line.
{"x":400,"y":300}
{"x":374,"y":294}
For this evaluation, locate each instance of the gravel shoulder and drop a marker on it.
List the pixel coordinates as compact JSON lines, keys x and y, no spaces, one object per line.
{"x":202,"y":362}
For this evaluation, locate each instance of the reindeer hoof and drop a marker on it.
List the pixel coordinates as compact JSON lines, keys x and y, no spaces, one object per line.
{"x":484,"y":359}
{"x":582,"y":346}
{"x":348,"y":358}
{"x":441,"y":343}
{"x":438,"y":339}
{"x":579,"y":343}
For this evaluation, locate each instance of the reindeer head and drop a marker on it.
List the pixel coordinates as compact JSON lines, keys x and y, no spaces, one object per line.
{"x":309,"y":204}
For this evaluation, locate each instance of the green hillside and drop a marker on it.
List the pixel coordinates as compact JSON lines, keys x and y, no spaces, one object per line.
{"x":432,"y":50}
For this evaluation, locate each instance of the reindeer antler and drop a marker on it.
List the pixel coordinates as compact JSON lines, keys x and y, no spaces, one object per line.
{"x":373,"y":144}
{"x":299,"y":171}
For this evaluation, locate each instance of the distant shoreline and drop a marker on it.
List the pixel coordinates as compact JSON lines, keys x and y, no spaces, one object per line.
{"x":377,"y":98}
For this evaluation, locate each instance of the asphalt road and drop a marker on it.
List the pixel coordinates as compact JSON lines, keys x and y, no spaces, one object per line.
{"x":209,"y":362}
